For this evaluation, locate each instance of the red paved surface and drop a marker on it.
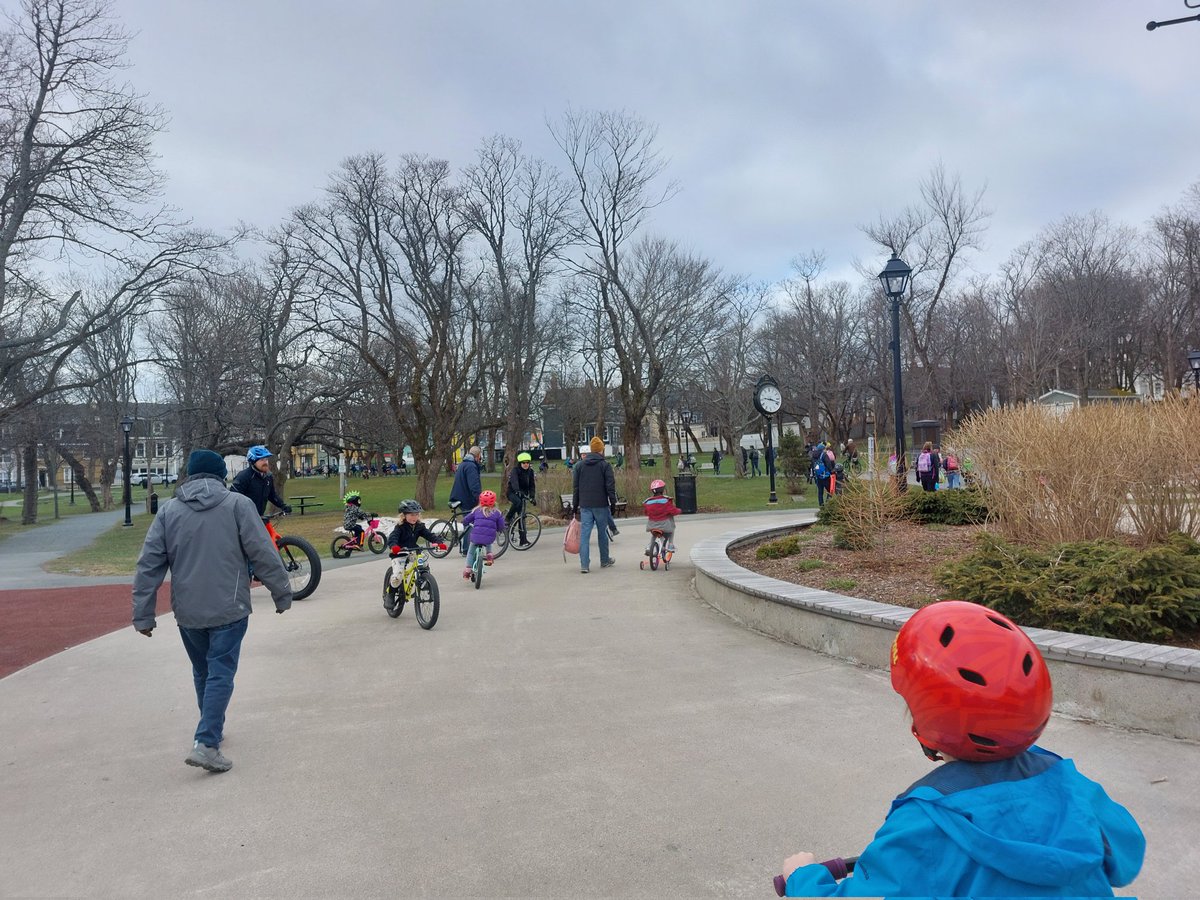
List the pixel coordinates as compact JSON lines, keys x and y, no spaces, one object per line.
{"x":35,"y":624}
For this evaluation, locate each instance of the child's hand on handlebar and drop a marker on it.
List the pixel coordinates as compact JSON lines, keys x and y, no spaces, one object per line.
{"x":797,"y":861}
{"x":395,"y":552}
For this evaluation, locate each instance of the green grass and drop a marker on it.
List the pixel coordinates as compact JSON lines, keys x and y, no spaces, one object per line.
{"x":808,"y":565}
{"x":841,"y":584}
{"x":11,"y":506}
{"x":115,"y":552}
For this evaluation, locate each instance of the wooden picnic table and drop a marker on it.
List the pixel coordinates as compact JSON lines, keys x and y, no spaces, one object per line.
{"x":303,"y":505}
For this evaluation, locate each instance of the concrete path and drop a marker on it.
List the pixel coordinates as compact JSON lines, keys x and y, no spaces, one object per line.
{"x":23,"y":554}
{"x":555,"y":734}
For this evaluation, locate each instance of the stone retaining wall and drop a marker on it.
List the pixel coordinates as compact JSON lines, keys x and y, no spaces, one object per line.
{"x":1124,"y":683}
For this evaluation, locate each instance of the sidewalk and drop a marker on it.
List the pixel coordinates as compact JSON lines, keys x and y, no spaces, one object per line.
{"x":555,"y":734}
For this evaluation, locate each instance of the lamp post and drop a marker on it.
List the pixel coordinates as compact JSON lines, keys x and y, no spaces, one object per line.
{"x":685,"y":418}
{"x":894,"y":279}
{"x":127,"y":426}
{"x":1194,"y":362}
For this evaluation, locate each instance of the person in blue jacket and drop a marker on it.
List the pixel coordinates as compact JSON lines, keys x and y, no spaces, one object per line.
{"x":1001,"y":817}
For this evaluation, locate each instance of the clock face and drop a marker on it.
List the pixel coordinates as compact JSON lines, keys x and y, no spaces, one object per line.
{"x":769,"y":398}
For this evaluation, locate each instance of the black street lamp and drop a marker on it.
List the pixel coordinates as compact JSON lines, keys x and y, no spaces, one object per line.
{"x":1194,"y":362}
{"x":685,"y":419}
{"x":894,"y":279}
{"x":127,"y":426}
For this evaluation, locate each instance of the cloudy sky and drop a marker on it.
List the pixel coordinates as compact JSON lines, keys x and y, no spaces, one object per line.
{"x":786,"y":123}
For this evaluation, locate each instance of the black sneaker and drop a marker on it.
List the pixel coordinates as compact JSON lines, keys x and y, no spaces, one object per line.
{"x":605,"y":565}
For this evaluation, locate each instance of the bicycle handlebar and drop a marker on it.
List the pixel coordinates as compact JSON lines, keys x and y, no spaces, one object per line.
{"x":838,"y":867}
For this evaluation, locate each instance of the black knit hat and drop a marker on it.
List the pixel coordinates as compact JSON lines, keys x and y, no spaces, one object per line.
{"x":205,"y":461}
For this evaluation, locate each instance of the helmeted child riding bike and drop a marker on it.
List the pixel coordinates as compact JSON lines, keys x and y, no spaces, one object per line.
{"x":410,"y":527}
{"x":256,"y":481}
{"x":486,"y":522}
{"x":1002,"y":817}
{"x":660,"y":513}
{"x":351,"y":517}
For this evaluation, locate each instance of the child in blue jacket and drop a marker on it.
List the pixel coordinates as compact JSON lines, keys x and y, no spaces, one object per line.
{"x":1001,"y":817}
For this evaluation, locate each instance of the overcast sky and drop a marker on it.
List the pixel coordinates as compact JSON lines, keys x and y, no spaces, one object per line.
{"x":787,"y":124}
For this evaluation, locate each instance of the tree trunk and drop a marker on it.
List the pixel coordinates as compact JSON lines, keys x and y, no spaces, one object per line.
{"x":29,"y":505}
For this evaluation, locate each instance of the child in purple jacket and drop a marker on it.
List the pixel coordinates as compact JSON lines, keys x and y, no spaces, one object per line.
{"x":486,"y":522}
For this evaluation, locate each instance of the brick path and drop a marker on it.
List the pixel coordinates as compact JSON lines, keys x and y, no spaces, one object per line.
{"x":37,"y":623}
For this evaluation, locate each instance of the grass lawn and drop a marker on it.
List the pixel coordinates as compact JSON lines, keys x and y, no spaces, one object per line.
{"x":115,"y":552}
{"x":11,"y":505}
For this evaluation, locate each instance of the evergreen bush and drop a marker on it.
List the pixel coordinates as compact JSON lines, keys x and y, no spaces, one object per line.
{"x":1102,"y":588}
{"x":778,"y":549}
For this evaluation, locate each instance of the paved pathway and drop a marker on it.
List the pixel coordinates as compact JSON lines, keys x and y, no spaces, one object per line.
{"x":555,"y":734}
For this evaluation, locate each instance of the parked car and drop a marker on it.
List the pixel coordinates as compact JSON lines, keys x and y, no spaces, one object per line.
{"x":145,"y":479}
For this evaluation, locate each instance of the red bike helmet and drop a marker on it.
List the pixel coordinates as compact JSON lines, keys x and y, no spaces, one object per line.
{"x":487,"y":498}
{"x":977,"y":687}
{"x":657,"y":485}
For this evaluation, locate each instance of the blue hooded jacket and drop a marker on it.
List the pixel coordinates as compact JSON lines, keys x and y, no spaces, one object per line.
{"x":1027,"y":826}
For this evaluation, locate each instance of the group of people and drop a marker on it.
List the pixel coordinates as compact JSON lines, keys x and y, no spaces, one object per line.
{"x":931,"y":464}
{"x":1000,"y":816}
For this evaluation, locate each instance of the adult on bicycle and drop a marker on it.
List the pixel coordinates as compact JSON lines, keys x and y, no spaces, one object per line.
{"x":521,"y":490}
{"x":256,"y":481}
{"x":467,"y":486}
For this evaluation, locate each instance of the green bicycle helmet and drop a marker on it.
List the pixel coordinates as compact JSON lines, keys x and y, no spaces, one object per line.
{"x":524,"y":457}
{"x":352,"y":497}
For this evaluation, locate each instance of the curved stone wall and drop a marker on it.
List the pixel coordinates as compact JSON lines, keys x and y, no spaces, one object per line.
{"x":1124,"y":683}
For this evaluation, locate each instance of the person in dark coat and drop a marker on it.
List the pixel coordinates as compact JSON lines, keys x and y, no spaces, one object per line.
{"x":594,"y":494}
{"x":522,"y":489}
{"x":467,"y":486}
{"x":716,"y":462}
{"x":256,"y":481}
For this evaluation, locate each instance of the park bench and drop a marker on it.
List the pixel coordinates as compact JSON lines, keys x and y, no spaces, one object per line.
{"x":304,"y":504}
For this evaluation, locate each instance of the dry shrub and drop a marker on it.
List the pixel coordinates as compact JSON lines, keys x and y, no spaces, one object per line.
{"x":1093,"y":473}
{"x":865,"y":506}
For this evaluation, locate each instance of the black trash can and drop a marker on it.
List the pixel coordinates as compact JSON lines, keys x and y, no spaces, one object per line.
{"x":685,"y":493}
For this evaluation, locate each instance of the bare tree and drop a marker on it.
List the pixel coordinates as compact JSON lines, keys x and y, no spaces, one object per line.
{"x":388,"y":253}
{"x":521,"y":209}
{"x":935,"y":237}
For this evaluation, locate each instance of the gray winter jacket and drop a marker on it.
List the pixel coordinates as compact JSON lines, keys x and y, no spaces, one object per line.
{"x":204,"y":536}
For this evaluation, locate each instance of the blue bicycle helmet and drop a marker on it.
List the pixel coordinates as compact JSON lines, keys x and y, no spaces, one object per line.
{"x":254,"y":454}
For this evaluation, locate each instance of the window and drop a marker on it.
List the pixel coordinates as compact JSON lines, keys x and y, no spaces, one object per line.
{"x":160,"y":449}
{"x":156,"y":427}
{"x":139,"y":450}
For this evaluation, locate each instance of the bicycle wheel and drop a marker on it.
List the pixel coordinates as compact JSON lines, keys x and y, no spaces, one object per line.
{"x":533,"y":531}
{"x":444,"y":533}
{"x":478,"y":569}
{"x":376,"y":543}
{"x":427,"y":602}
{"x":302,"y":564}
{"x":503,"y":539}
{"x":338,"y":547}
{"x":393,"y":598}
{"x":654,"y":554}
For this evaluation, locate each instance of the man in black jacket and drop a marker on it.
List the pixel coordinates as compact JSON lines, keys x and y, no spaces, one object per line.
{"x":594,"y":494}
{"x":256,"y":481}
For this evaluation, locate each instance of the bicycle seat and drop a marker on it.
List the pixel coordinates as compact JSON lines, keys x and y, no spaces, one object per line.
{"x":455,"y":504}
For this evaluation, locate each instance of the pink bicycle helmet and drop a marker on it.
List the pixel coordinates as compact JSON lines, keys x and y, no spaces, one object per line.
{"x":487,"y":498}
{"x":657,"y":485}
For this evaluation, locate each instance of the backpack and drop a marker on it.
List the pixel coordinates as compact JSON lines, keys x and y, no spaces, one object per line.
{"x":925,"y":463}
{"x":819,"y":469}
{"x":951,"y":463}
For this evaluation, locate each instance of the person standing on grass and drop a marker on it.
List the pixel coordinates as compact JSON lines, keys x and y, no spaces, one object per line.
{"x":205,"y":535}
{"x":594,"y":494}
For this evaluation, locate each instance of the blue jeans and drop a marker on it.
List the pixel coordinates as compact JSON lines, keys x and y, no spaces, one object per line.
{"x":214,"y":654}
{"x":822,"y":490}
{"x":589,"y":518}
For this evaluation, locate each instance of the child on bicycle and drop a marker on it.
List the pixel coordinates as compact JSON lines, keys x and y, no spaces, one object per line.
{"x":660,"y":513}
{"x":1002,"y":816}
{"x":485,"y":522}
{"x":410,"y":527}
{"x":351,"y":517}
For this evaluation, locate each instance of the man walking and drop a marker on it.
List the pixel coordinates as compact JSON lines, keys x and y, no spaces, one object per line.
{"x":594,"y":494}
{"x":205,"y":536}
{"x":466,"y":487}
{"x":754,"y":462}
